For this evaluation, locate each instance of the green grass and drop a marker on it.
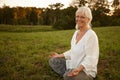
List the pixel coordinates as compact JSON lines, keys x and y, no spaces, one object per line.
{"x":25,"y":28}
{"x":24,"y":53}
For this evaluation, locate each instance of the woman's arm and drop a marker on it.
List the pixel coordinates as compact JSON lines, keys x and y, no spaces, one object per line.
{"x":65,"y":55}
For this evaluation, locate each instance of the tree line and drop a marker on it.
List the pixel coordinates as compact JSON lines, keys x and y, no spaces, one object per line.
{"x":61,"y":18}
{"x":20,"y":15}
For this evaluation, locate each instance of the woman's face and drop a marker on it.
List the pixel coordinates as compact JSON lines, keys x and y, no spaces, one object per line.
{"x":81,"y":20}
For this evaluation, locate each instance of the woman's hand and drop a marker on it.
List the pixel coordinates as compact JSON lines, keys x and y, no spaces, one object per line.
{"x":54,"y":54}
{"x":74,"y":72}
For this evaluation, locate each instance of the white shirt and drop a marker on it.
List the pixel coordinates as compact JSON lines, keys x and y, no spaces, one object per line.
{"x":85,"y":52}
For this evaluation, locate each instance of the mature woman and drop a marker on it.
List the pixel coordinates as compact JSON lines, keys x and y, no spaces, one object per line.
{"x":81,"y":60}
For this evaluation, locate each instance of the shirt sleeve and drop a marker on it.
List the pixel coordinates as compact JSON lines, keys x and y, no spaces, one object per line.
{"x":67,"y":55}
{"x":91,"y":52}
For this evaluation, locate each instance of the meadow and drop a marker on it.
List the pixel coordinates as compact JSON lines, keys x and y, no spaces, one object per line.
{"x":24,"y":52}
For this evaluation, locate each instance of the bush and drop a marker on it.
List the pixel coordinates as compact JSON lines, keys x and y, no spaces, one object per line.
{"x":96,"y":24}
{"x":115,"y":22}
{"x":64,"y":23}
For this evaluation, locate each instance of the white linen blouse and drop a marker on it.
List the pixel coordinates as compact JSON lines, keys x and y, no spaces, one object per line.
{"x":85,"y":52}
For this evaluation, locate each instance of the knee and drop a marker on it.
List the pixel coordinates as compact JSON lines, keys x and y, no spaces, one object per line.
{"x":53,"y":61}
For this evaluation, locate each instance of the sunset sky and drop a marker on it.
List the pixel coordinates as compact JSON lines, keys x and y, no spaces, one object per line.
{"x":34,"y":3}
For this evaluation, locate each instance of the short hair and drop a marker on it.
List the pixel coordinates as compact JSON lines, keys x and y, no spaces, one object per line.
{"x":87,"y":12}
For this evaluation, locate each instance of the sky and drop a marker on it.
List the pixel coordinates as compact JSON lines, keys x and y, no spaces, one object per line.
{"x":33,"y":3}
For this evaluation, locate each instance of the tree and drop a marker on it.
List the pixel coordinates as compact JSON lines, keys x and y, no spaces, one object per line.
{"x":55,"y":12}
{"x":67,"y":19}
{"x":78,"y":3}
{"x":6,"y":15}
{"x":100,"y":12}
{"x":1,"y":16}
{"x":52,"y":14}
{"x":20,"y":15}
{"x":46,"y":16}
{"x":116,"y":17}
{"x":56,"y":6}
{"x":33,"y":17}
{"x":116,"y":4}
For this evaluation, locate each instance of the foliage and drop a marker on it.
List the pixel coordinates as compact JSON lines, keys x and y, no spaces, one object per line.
{"x":60,"y":18}
{"x":6,"y":15}
{"x":116,"y":3}
{"x":24,"y":56}
{"x":67,"y":20}
{"x":20,"y":15}
{"x":100,"y":17}
{"x":56,"y":6}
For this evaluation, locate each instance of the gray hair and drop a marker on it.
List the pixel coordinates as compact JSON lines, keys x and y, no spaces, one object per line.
{"x":87,"y":12}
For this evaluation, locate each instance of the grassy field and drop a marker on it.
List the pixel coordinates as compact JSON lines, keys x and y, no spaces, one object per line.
{"x":25,"y":28}
{"x":24,"y":52}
